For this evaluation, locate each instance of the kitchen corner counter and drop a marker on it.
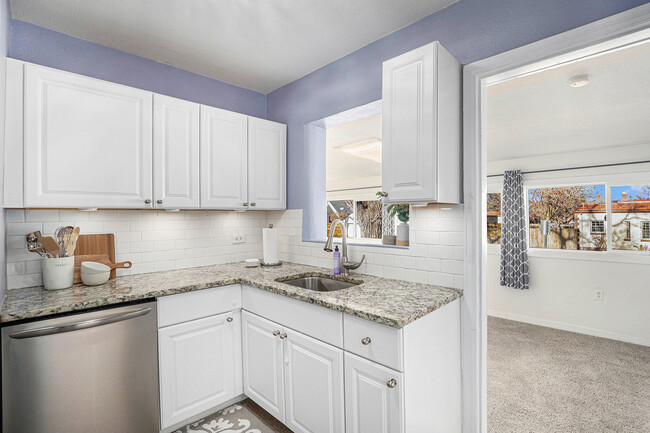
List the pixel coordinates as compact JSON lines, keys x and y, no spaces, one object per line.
{"x":390,"y":302}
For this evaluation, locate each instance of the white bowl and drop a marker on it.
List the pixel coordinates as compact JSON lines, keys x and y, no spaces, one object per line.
{"x":94,"y":268}
{"x":95,"y":279}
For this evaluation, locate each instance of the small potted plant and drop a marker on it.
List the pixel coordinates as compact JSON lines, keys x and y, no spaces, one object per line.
{"x":402,"y":213}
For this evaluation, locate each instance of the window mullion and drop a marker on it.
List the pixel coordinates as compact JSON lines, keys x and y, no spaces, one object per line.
{"x":610,"y":221}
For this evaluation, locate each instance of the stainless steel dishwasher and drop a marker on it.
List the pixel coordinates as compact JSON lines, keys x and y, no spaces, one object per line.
{"x":93,"y":372}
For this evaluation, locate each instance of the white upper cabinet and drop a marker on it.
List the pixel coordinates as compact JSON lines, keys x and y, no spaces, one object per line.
{"x":88,"y":143}
{"x":224,"y":159}
{"x":175,"y":153}
{"x":422,"y":131}
{"x":267,"y":159}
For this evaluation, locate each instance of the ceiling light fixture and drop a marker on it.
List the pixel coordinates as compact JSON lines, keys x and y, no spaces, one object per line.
{"x":579,"y":81}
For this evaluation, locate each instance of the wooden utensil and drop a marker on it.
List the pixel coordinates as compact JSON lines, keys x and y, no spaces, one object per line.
{"x":70,"y":241}
{"x":89,"y":247}
{"x":51,"y":245}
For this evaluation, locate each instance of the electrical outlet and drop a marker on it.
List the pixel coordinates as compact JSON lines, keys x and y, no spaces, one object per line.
{"x":238,"y":239}
{"x":599,"y":295}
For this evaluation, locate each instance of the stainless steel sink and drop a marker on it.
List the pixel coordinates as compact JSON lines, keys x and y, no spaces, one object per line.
{"x":320,"y":284}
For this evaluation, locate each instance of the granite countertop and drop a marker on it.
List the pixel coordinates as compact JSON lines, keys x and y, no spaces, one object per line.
{"x":390,"y":302}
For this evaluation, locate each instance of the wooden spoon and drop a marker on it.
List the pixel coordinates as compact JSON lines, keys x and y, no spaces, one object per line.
{"x":71,"y":241}
{"x":51,"y":245}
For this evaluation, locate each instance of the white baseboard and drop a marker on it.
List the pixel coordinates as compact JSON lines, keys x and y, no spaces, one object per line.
{"x":570,"y":327}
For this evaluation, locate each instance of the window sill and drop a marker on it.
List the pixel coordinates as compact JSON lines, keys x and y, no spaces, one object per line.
{"x":618,"y":256}
{"x":361,"y":243}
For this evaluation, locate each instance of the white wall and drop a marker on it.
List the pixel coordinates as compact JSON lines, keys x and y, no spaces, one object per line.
{"x":562,"y":296}
{"x":562,"y":287}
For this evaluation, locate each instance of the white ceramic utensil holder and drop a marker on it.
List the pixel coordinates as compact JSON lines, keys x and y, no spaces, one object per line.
{"x":58,"y":273}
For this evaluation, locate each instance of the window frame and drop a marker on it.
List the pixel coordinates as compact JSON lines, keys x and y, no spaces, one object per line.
{"x":610,"y":177}
{"x":644,"y":230}
{"x":358,"y":239}
{"x":628,"y":230}
{"x":598,"y":222}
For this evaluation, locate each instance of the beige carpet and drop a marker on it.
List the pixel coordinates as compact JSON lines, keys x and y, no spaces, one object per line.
{"x":543,"y":380}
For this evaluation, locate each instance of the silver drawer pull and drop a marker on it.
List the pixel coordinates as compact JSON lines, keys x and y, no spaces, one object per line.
{"x":276,"y":333}
{"x":391,"y":383}
{"x":283,"y":336}
{"x":366,"y":341}
{"x":229,"y":319}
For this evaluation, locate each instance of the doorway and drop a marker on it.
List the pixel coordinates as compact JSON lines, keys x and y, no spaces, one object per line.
{"x":612,"y":33}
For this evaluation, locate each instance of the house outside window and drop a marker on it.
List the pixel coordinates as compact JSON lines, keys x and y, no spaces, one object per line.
{"x":646,"y":231}
{"x":576,"y":213}
{"x":630,"y":206}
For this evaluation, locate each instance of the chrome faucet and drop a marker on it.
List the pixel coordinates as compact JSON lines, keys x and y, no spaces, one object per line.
{"x":345,"y":264}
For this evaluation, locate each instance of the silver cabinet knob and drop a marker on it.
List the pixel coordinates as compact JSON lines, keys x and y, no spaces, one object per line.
{"x":229,"y":319}
{"x":276,"y":333}
{"x":383,"y":194}
{"x":283,"y":336}
{"x":159,"y":201}
{"x":253,"y":204}
{"x":147,"y":201}
{"x":366,"y":341}
{"x":391,"y":383}
{"x":245,"y":204}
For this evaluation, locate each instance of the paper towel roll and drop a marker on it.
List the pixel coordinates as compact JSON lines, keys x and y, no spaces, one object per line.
{"x":270,"y":245}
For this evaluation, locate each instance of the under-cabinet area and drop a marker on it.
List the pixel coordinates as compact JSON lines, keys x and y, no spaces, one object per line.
{"x":314,"y":369}
{"x":79,"y":142}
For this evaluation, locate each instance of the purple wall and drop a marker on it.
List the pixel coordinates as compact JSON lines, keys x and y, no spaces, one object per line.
{"x":49,"y":48}
{"x":470,"y":29}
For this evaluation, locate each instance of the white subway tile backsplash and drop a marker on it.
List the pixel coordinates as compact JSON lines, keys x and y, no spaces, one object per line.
{"x":156,"y":240}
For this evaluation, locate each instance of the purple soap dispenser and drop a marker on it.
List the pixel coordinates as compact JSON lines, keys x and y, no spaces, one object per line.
{"x":337,"y":261}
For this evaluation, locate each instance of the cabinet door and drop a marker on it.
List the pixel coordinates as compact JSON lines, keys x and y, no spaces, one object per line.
{"x":313,"y":384}
{"x":200,"y":366}
{"x":224,"y":155}
{"x":175,"y":153}
{"x":263,"y":372}
{"x":267,"y":164}
{"x":408,"y":123}
{"x":88,"y":143}
{"x":373,"y":404}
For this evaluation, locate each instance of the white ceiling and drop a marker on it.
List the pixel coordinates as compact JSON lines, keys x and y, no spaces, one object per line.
{"x":539,"y":114}
{"x":346,"y":171}
{"x":257,"y":44}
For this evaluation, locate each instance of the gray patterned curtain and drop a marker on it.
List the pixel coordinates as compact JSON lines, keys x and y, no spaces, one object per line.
{"x":514,"y":244}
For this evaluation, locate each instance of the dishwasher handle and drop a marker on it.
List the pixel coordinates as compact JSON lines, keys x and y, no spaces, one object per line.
{"x":51,"y":330}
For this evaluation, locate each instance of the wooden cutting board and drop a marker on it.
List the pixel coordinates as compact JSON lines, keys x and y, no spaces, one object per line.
{"x":94,"y":248}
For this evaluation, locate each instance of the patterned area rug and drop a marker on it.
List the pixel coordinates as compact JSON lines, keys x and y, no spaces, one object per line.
{"x":234,"y":419}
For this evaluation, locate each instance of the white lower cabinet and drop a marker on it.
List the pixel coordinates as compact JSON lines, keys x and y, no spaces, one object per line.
{"x":263,"y":371}
{"x":374,"y":397}
{"x":200,"y":366}
{"x":296,"y":378}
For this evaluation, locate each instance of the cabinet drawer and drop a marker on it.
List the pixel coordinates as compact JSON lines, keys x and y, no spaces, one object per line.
{"x":188,"y":306}
{"x":318,"y":322}
{"x":383,"y":344}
